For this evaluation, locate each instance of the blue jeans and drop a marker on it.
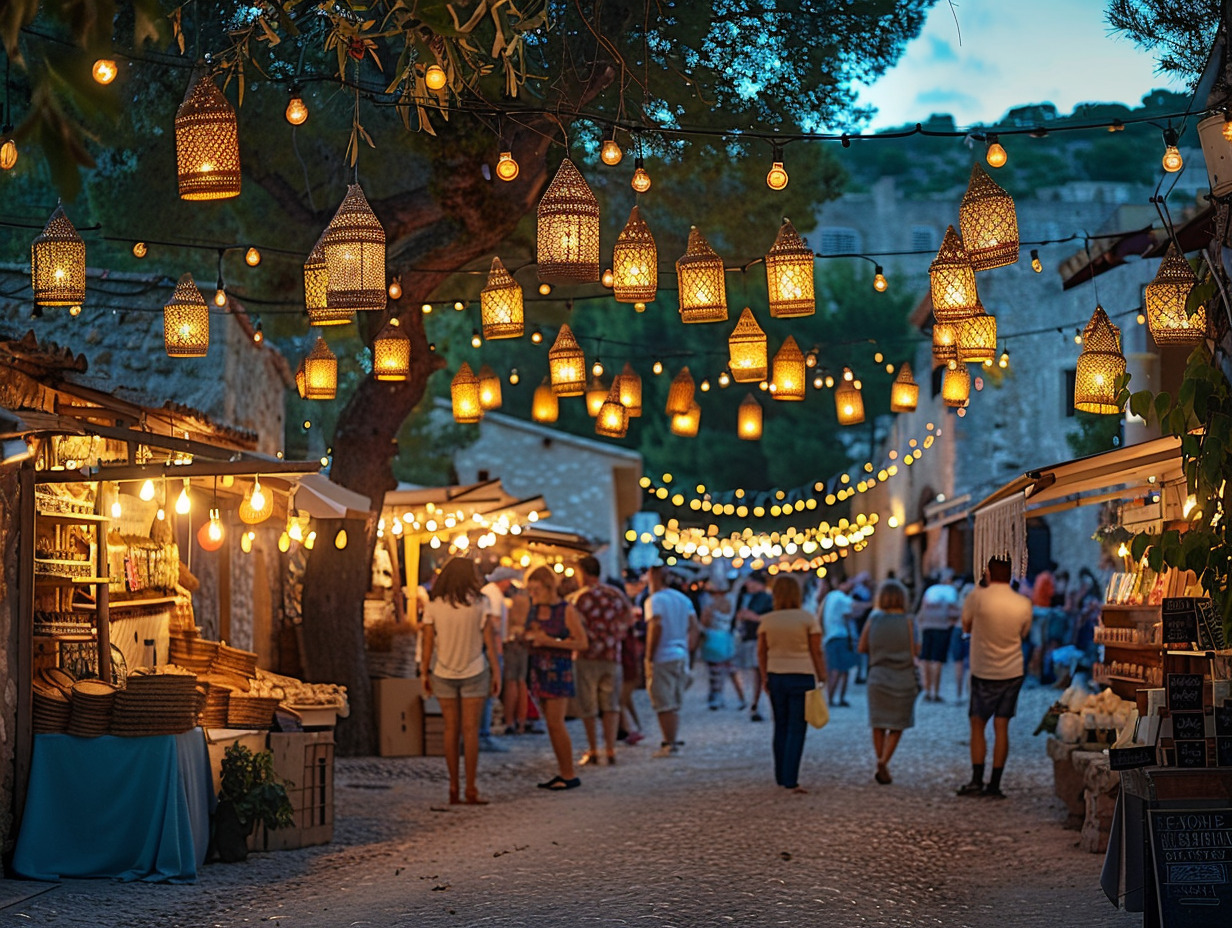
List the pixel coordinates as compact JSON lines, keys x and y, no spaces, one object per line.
{"x":786,"y":692}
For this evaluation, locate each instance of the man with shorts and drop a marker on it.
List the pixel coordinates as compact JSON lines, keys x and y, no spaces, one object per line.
{"x":606,"y":615}
{"x":672,"y":630}
{"x":753,"y":601}
{"x":938,"y":614}
{"x":998,"y":619}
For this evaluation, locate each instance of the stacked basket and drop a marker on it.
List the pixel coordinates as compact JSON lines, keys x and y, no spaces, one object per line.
{"x":217,"y":699}
{"x":192,"y":653}
{"x":92,"y":703}
{"x":156,"y":704}
{"x":244,"y":711}
{"x":52,"y":705}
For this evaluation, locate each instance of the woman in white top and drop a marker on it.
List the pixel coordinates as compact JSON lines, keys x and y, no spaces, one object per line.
{"x":791,"y":662}
{"x":454,"y":667}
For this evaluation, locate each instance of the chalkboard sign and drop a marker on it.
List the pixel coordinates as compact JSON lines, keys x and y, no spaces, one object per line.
{"x":1184,"y":692}
{"x":1223,"y":720}
{"x":1133,"y":757}
{"x":1193,"y":867}
{"x":1180,"y":620}
{"x":1223,"y":751}
{"x":1210,"y":627}
{"x":1191,"y":754}
{"x":1188,"y":726}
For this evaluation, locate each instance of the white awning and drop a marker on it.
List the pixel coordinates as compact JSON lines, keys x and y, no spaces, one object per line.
{"x":321,"y":498}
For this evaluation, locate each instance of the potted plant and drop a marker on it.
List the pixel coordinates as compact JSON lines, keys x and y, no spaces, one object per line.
{"x":251,"y":792}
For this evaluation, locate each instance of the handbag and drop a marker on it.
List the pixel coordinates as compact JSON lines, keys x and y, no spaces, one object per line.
{"x":718,"y":646}
{"x":816,"y":709}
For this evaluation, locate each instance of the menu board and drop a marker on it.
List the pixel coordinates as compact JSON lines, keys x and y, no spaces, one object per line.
{"x":1193,"y":866}
{"x":1210,"y":627}
{"x":1180,"y":620}
{"x":1184,"y":692}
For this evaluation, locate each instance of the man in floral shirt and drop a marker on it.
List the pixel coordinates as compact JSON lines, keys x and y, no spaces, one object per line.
{"x":606,"y":615}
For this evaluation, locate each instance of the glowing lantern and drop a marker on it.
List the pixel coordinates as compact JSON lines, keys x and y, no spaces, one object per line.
{"x":568,"y":229}
{"x":612,"y":420}
{"x":945,"y":342}
{"x":58,"y":263}
{"x":749,"y":419}
{"x":687,"y":423}
{"x":635,"y":262}
{"x":316,"y":280}
{"x":391,"y":353}
{"x":489,"y":388}
{"x":354,"y":245}
{"x":567,"y":365}
{"x":700,"y":280}
{"x":1100,"y":367}
{"x":545,"y":407}
{"x":320,"y":373}
{"x":789,"y":275}
{"x":507,"y":167}
{"x":680,"y":393}
{"x":631,"y":390}
{"x":1166,"y":297}
{"x":210,"y":535}
{"x":989,"y":222}
{"x":956,"y":386}
{"x":848,"y":401}
{"x":596,"y":394}
{"x":464,"y":390}
{"x":186,"y":321}
{"x":905,"y":392}
{"x":747,"y":350}
{"x":500,"y":304}
{"x":976,"y":337}
{"x":788,"y":371}
{"x":952,"y":280}
{"x":207,"y":150}
{"x":257,"y":505}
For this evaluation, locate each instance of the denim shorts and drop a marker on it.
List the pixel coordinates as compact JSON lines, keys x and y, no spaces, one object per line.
{"x":477,"y":687}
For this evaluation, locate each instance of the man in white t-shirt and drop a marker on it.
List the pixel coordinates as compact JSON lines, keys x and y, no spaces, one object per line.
{"x":497,"y":615}
{"x":939,"y":610}
{"x":672,"y":631}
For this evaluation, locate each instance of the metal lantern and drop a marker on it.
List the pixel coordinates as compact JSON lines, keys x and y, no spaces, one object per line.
{"x":700,"y":280}
{"x":568,"y":234}
{"x":58,"y":263}
{"x":952,"y":280}
{"x":787,"y":380}
{"x":489,"y":388}
{"x":904,"y":392}
{"x":567,"y":364}
{"x":596,"y":394}
{"x":747,"y":350}
{"x":945,"y":342}
{"x":207,"y":148}
{"x":635,"y":262}
{"x":320,"y":373}
{"x":848,"y":402}
{"x":630,"y":390}
{"x":1100,"y":367}
{"x":956,"y":386}
{"x":545,"y":407}
{"x":500,"y":304}
{"x":680,"y":393}
{"x":355,"y":256}
{"x":612,"y":420}
{"x":391,"y":353}
{"x":316,"y":279}
{"x":1166,"y":297}
{"x":989,"y":222}
{"x":257,"y":504}
{"x":749,"y":419}
{"x":186,"y":321}
{"x":789,"y":275}
{"x":688,"y":422}
{"x":464,"y":391}
{"x":977,"y":337}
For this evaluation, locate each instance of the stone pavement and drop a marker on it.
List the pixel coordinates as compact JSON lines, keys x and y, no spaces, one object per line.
{"x":697,"y":840}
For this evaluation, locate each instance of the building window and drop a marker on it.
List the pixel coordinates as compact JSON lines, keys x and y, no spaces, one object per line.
{"x":1067,"y":400}
{"x":839,"y":240}
{"x":924,"y":238}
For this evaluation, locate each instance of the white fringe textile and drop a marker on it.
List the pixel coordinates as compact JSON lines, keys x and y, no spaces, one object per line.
{"x":1001,"y":531}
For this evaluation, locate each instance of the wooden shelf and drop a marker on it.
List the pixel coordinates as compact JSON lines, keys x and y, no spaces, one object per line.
{"x":1129,"y":607}
{"x":69,"y":517}
{"x":70,"y":581}
{"x":115,"y":604}
{"x":1105,"y":677}
{"x":79,"y":637}
{"x":1131,"y":646}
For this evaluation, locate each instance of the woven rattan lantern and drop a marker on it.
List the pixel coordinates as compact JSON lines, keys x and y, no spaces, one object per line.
{"x":635,"y":262}
{"x":391,"y":353}
{"x":464,"y":391}
{"x":207,"y":147}
{"x":787,"y":380}
{"x":904,"y":392}
{"x":1100,"y":367}
{"x":680,"y":393}
{"x":500,"y":304}
{"x":545,"y":407}
{"x":612,"y":420}
{"x":320,"y":373}
{"x":789,"y":275}
{"x":316,"y":279}
{"x":568,"y":237}
{"x":355,"y":256}
{"x":596,"y":395}
{"x":186,"y":321}
{"x":567,"y":364}
{"x":58,"y":263}
{"x":688,"y":422}
{"x":1166,"y":297}
{"x":257,"y":504}
{"x":989,"y":222}
{"x":749,"y":419}
{"x":489,"y":388}
{"x":700,"y":279}
{"x":953,"y":280}
{"x":956,"y":386}
{"x":848,"y":402}
{"x":945,"y":342}
{"x":630,"y":382}
{"x":977,"y":338}
{"x":747,"y":350}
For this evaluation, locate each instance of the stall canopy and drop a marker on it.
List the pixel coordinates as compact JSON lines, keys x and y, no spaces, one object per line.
{"x":487,"y":500}
{"x":321,"y":498}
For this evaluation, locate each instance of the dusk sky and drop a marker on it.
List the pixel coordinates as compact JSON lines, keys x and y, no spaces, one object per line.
{"x":1012,"y":53}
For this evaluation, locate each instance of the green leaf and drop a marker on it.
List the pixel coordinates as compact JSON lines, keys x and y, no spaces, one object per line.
{"x":1163,"y":402}
{"x":1170,"y":542}
{"x":1155,"y":558}
{"x":1140,"y":404}
{"x":1138,"y":546}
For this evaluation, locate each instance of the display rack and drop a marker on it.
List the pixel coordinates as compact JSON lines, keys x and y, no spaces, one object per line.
{"x":1130,"y":638}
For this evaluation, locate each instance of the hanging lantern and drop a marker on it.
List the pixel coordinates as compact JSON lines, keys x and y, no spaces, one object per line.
{"x":789,"y":275}
{"x":956,"y":386}
{"x":612,"y":420}
{"x":787,"y":378}
{"x":58,"y":263}
{"x":976,"y":337}
{"x":1166,"y":297}
{"x":989,"y":222}
{"x":952,"y":280}
{"x":945,"y":342}
{"x":631,"y":390}
{"x":207,"y":149}
{"x":700,"y":280}
{"x":568,"y":234}
{"x":545,"y":407}
{"x":596,"y":394}
{"x":464,"y":390}
{"x":904,"y":392}
{"x":355,"y":256}
{"x":687,"y":423}
{"x":186,"y":321}
{"x":320,"y":373}
{"x":489,"y":388}
{"x":391,"y":353}
{"x":500,"y":304}
{"x":1100,"y":366}
{"x":747,"y":349}
{"x":680,"y":393}
{"x":301,"y":384}
{"x":316,"y":280}
{"x":635,"y":262}
{"x":567,"y":364}
{"x":749,"y":419}
{"x":848,"y":401}
{"x":257,"y":505}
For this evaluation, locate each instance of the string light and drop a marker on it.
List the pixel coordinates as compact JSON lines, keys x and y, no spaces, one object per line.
{"x":252,"y":257}
{"x":1035,"y":261}
{"x":610,"y":152}
{"x":641,"y":179}
{"x":506,"y":167}
{"x":258,"y":335}
{"x":435,"y":77}
{"x":8,"y":149}
{"x":146,"y":492}
{"x":220,"y":295}
{"x":545,"y":289}
{"x":995,"y":156}
{"x":776,"y":178}
{"x":297,"y":110}
{"x":139,"y":250}
{"x":1172,"y":160}
{"x":183,"y":504}
{"x":1004,"y":361}
{"x":104,"y":71}
{"x":879,"y":280}
{"x":657,"y":367}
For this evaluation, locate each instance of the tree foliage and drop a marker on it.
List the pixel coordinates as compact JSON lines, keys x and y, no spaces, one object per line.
{"x":1179,"y":32}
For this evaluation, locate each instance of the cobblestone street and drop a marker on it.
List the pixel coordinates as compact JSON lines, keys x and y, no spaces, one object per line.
{"x":702,"y":839}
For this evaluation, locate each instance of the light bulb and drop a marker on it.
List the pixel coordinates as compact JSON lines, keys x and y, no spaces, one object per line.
{"x":1141,"y":319}
{"x":458,"y":306}
{"x":161,"y":515}
{"x":995,"y":155}
{"x":310,"y":540}
{"x":1172,"y":160}
{"x":147,"y":491}
{"x":776,"y":178}
{"x":705,"y":386}
{"x":597,"y":368}
{"x":641,"y":180}
{"x":296,"y":532}
{"x":889,"y":368}
{"x":610,"y":152}
{"x":506,"y":167}
{"x":536,"y":337}
{"x":426,"y":309}
{"x":878,"y":357}
{"x":639,"y":307}
{"x":513,"y":376}
{"x":848,"y":375}
{"x":258,"y":336}
{"x":139,"y":250}
{"x":435,"y":77}
{"x":8,"y":151}
{"x":297,"y":109}
{"x":214,"y":530}
{"x":879,"y":280}
{"x":105,"y":70}
{"x":257,"y":500}
{"x":220,"y":297}
{"x":476,"y":341}
{"x":116,"y":511}
{"x":724,"y":379}
{"x":252,"y":257}
{"x":1035,"y":261}
{"x":284,"y":542}
{"x":545,"y":289}
{"x":818,"y":382}
{"x":658,"y":367}
{"x":608,"y":278}
{"x":1077,"y":337}
{"x":340,"y":540}
{"x":395,"y":289}
{"x":246,"y":540}
{"x":75,"y":309}
{"x":182,"y":503}
{"x":829,"y":381}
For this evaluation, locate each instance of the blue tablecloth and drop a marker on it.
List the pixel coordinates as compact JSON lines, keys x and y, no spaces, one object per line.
{"x":124,"y":808}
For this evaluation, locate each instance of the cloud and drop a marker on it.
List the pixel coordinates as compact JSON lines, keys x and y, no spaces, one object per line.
{"x":940,"y":50}
{"x":942,"y":96}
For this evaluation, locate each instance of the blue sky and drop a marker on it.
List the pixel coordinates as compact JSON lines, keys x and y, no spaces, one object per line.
{"x":1012,"y":53}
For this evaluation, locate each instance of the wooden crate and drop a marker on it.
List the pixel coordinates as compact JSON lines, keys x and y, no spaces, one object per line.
{"x":307,"y":760}
{"x":398,"y":705}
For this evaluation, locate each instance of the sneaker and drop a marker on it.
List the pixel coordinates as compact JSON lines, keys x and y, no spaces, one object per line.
{"x":992,"y":792}
{"x":634,"y":737}
{"x":666,"y":750}
{"x":488,"y":746}
{"x":971,"y":789}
